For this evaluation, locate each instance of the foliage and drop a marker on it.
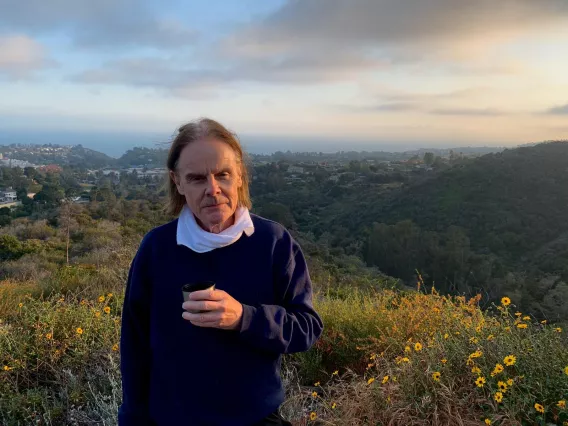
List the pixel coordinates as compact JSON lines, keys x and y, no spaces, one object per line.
{"x":415,"y":358}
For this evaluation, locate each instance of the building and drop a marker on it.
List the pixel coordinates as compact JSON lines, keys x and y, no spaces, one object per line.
{"x":8,"y":195}
{"x":296,"y":169}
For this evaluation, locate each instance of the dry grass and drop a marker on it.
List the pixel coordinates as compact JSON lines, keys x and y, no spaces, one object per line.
{"x":58,"y":375}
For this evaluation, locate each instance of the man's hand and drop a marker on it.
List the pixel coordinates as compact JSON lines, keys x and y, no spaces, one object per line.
{"x":222,"y":310}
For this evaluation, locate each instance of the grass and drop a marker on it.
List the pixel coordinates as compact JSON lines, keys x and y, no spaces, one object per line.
{"x":388,"y":357}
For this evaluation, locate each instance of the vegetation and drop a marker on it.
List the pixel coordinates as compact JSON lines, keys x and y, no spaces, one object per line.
{"x":489,"y":350}
{"x":494,"y":225}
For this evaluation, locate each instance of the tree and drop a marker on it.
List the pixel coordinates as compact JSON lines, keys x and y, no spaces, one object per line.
{"x":429,"y":158}
{"x":279,"y":213}
{"x":50,"y":194}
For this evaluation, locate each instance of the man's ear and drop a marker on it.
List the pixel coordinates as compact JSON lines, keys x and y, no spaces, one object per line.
{"x":174,"y":177}
{"x":239,"y":179}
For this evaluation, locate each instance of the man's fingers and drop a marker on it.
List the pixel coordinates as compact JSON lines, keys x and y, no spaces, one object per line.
{"x":207,"y":295}
{"x":200,"y":305}
{"x":203,"y":317}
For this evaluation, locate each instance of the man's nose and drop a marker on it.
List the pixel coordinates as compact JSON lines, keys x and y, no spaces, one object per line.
{"x":212,"y":186}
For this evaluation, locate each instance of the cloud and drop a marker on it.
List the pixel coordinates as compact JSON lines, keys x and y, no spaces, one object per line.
{"x":101,"y":23}
{"x":174,"y":76}
{"x":20,"y":57}
{"x":558,"y":110}
{"x":467,"y":111}
{"x":389,"y":24}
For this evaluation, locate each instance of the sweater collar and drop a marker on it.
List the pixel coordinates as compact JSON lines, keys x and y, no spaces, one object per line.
{"x":191,"y":235}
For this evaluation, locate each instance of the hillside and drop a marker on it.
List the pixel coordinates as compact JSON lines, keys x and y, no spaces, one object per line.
{"x":511,"y":203}
{"x":143,"y":157}
{"x":489,"y":224}
{"x":45,"y":154}
{"x":495,"y":224}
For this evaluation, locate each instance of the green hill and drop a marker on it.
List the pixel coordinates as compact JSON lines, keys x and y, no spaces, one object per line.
{"x":489,"y":224}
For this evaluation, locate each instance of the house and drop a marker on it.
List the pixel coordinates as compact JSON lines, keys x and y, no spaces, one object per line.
{"x":296,"y":169}
{"x":8,"y":195}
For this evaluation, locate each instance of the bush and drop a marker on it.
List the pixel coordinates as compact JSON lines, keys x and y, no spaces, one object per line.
{"x":59,"y":360}
{"x":432,"y":359}
{"x":388,"y":357}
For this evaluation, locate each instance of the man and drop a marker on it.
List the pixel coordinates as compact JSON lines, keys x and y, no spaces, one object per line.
{"x":220,"y":366}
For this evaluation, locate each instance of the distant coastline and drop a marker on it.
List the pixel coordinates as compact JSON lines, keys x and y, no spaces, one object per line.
{"x":116,"y":144}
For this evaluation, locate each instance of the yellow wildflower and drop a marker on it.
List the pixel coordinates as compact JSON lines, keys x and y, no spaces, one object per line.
{"x":48,"y":336}
{"x":314,"y":394}
{"x":97,"y":314}
{"x":498,"y":397}
{"x":521,"y":326}
{"x":417,"y":347}
{"x":115,"y":347}
{"x":109,"y":295}
{"x":385,"y":379}
{"x":407,"y":349}
{"x":543,"y":321}
{"x":436,"y":376}
{"x":539,"y":408}
{"x":476,"y":370}
{"x":474,"y":340}
{"x":507,"y":328}
{"x":313,"y":416}
{"x":526,"y":318}
{"x":83,"y":302}
{"x":101,"y":299}
{"x":446,"y":336}
{"x":490,"y":337}
{"x":107,"y":310}
{"x":510,"y":382}
{"x":476,"y":354}
{"x":561,"y":404}
{"x":371,"y":380}
{"x":487,"y":421}
{"x":480,"y":382}
{"x":558,"y":330}
{"x":316,"y":384}
{"x":20,"y":305}
{"x":498,"y":369}
{"x":335,"y":373}
{"x":444,"y":360}
{"x":518,"y":314}
{"x":457,"y":333}
{"x":79,"y":330}
{"x":6,"y":368}
{"x":566,"y":370}
{"x":502,"y":386}
{"x":505,"y":301}
{"x":333,"y":406}
{"x":510,"y":360}
{"x":405,"y":359}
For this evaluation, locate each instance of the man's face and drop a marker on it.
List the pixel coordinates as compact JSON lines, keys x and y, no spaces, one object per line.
{"x":209,"y":177}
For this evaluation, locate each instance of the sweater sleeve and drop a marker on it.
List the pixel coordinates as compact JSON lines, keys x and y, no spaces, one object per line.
{"x":292,"y":325}
{"x":135,"y":344}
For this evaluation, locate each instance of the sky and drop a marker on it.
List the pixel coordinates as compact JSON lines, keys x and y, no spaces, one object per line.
{"x":321,"y":74}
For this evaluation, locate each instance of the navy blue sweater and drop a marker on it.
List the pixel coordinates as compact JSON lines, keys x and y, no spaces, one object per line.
{"x":176,"y":373}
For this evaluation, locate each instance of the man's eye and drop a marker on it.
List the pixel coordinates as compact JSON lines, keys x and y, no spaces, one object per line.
{"x":195,"y":179}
